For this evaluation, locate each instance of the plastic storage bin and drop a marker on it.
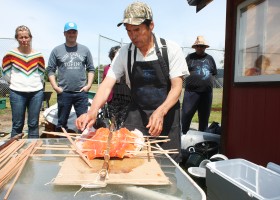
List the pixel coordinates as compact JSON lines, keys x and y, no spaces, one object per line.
{"x":2,"y":103}
{"x":91,"y":95}
{"x":240,"y":179}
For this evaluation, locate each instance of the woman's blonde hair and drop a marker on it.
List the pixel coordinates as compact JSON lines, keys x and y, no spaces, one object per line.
{"x":22,"y":28}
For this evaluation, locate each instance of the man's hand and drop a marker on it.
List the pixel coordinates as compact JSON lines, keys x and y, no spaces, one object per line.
{"x":86,"y":120}
{"x":155,"y":124}
{"x":58,"y":90}
{"x":85,"y":88}
{"x":54,"y":84}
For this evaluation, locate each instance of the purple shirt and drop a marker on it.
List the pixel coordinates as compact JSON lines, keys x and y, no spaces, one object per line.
{"x":104,"y":75}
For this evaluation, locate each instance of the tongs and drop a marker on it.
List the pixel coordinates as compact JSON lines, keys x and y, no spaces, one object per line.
{"x":104,"y":171}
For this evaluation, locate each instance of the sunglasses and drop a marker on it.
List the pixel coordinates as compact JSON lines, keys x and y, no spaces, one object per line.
{"x":200,"y":46}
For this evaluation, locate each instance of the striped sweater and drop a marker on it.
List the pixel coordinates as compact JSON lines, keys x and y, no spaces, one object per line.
{"x":24,"y":73}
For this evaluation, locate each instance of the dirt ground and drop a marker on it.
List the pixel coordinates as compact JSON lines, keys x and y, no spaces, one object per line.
{"x":6,"y":123}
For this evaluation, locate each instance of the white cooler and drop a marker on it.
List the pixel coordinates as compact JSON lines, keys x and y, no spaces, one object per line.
{"x":239,"y":179}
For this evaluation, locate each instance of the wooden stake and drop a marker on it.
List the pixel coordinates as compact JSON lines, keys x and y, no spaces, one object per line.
{"x":26,"y":156}
{"x":158,"y":141}
{"x":55,"y":145}
{"x":158,"y":152}
{"x":11,"y":149}
{"x":72,"y":136}
{"x":160,"y":136}
{"x":77,"y":149}
{"x":61,"y":133}
{"x":60,"y":148}
{"x":149,"y":149}
{"x":55,"y":155}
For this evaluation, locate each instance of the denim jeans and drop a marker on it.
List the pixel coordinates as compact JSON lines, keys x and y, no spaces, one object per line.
{"x":20,"y":101}
{"x":65,"y":101}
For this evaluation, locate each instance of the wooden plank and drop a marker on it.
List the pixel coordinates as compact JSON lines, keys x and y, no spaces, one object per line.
{"x":135,"y":170}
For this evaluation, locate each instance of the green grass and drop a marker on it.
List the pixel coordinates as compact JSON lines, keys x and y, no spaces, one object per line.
{"x":216,"y":113}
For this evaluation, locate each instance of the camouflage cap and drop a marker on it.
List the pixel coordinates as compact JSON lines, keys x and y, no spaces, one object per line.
{"x":136,"y":13}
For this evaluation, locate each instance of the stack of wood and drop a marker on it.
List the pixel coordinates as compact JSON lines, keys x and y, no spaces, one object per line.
{"x":13,"y":156}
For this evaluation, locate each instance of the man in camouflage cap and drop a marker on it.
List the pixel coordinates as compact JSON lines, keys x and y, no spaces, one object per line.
{"x":155,"y":84}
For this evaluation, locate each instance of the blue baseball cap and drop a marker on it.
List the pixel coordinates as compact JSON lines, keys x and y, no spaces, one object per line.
{"x":70,"y":26}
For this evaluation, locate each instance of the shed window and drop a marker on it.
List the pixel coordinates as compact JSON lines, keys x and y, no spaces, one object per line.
{"x":257,"y":57}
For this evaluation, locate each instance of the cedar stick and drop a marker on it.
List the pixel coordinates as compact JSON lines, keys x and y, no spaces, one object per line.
{"x":17,"y":137}
{"x":72,"y":136}
{"x":160,"y":136}
{"x":54,"y":155}
{"x":11,"y":149}
{"x":77,"y":149}
{"x":149,"y":150}
{"x":54,"y":148}
{"x":157,"y":141}
{"x":55,"y":145}
{"x":60,"y":148}
{"x":163,"y":152}
{"x":27,"y":154}
{"x":11,"y":167}
{"x":38,"y":144}
{"x":61,"y":133}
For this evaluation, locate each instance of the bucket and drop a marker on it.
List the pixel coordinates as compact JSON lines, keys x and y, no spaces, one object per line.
{"x":185,"y":154}
{"x":198,"y":174}
{"x":194,"y":158}
{"x":207,"y":148}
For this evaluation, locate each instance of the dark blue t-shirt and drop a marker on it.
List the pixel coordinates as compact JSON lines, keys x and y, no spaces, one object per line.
{"x":202,"y":69}
{"x":71,"y":64}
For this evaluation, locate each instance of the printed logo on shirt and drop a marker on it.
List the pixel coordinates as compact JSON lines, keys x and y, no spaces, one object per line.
{"x":72,"y":60}
{"x":201,"y":67}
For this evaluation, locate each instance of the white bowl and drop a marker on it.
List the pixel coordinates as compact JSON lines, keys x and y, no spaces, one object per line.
{"x":218,"y":157}
{"x":204,"y":163}
{"x":197,"y":172}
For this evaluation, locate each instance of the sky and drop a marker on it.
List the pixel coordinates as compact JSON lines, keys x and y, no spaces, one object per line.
{"x":97,"y":23}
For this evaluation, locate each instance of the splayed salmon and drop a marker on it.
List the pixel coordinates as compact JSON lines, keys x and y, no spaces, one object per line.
{"x":94,"y":143}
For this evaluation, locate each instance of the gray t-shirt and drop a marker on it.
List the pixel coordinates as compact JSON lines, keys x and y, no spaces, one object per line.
{"x":71,"y":64}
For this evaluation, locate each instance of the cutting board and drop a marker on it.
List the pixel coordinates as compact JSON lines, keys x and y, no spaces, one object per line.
{"x":138,"y":170}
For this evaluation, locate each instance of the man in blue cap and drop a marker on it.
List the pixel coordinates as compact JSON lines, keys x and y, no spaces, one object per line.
{"x":71,"y":60}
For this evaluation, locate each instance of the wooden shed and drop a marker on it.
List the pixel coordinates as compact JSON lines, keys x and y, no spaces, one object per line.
{"x":251,"y":100}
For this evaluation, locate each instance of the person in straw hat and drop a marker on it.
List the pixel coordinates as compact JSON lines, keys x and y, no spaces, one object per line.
{"x":199,"y":86}
{"x":155,"y":92}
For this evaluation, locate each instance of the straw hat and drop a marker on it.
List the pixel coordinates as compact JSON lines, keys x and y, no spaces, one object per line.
{"x":200,"y":41}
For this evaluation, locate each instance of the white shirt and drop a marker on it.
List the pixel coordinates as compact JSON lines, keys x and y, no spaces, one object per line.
{"x":177,"y":63}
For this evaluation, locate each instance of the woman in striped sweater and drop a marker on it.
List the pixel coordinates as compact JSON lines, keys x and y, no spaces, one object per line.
{"x":24,"y":68}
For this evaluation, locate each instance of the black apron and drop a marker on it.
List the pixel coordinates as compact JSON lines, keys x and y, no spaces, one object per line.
{"x":149,"y":89}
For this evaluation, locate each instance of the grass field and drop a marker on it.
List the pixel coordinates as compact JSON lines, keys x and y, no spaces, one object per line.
{"x":216,"y":113}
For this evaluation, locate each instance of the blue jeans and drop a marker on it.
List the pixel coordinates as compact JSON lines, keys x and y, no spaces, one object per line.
{"x":65,"y":101}
{"x":20,"y":101}
{"x":192,"y":102}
